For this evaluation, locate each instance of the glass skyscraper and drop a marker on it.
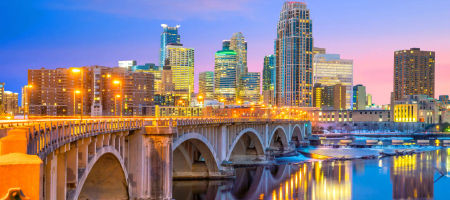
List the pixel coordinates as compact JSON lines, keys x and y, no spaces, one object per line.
{"x":206,"y":85}
{"x":269,"y":79}
{"x":238,"y":44}
{"x":225,"y":76}
{"x":330,"y":69}
{"x":294,"y":56}
{"x":168,"y":36}
{"x":250,"y":93}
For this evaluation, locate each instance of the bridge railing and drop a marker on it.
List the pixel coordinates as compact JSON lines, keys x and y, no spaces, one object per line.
{"x":47,"y":137}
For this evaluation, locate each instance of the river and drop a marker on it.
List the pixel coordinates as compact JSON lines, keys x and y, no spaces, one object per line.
{"x":419,"y":176}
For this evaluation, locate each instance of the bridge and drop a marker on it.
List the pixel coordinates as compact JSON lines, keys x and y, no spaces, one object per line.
{"x":136,"y":158}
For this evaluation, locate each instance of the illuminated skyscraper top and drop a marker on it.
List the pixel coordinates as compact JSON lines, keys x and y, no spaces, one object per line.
{"x":168,"y":36}
{"x":239,"y":45}
{"x":294,"y":56}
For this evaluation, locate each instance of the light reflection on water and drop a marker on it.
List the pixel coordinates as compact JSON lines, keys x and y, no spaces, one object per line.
{"x":418,"y":176}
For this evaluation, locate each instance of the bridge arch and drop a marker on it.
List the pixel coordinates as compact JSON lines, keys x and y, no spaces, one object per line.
{"x":298,"y":135}
{"x":193,"y":153}
{"x":105,"y":177}
{"x":278,"y":139}
{"x":248,"y":141}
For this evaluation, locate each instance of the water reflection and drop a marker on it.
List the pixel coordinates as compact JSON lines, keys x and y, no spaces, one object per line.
{"x":400,"y":177}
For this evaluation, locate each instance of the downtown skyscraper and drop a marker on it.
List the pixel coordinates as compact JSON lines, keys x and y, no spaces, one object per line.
{"x":269,"y":79}
{"x":168,"y":36}
{"x":413,"y":73}
{"x":238,"y":45}
{"x":225,"y":75}
{"x":294,"y":56}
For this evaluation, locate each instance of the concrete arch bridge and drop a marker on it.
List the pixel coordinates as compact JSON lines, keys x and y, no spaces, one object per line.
{"x":137,"y":158}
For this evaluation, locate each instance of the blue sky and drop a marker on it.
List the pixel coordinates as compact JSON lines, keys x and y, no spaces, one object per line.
{"x":68,"y":33}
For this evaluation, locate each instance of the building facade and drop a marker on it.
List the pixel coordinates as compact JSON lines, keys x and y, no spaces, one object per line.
{"x":181,"y":61}
{"x":359,"y":97}
{"x":225,"y":76}
{"x":417,"y":108}
{"x":329,"y":97}
{"x":414,"y":73}
{"x":153,"y":69}
{"x":96,"y":90}
{"x":11,"y":102}
{"x":206,"y":85}
{"x":168,"y":36}
{"x":269,"y":80}
{"x":330,"y":69}
{"x":294,"y":56}
{"x":251,"y":90}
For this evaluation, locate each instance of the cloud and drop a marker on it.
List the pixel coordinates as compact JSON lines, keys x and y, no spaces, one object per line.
{"x":159,"y":9}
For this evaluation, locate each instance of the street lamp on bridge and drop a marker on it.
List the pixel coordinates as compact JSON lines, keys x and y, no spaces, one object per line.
{"x":27,"y":99}
{"x":76,"y":71}
{"x":119,"y":83}
{"x":75,"y":92}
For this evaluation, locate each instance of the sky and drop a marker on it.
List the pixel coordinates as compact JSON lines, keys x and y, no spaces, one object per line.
{"x":72,"y":33}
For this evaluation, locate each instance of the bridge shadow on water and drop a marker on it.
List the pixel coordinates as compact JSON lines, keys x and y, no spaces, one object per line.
{"x":419,"y":176}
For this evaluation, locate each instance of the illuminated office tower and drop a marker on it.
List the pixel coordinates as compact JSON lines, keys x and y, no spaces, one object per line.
{"x":330,"y":69}
{"x":413,"y":73}
{"x":359,"y":97}
{"x":168,"y":36}
{"x":181,"y":61}
{"x":206,"y":85}
{"x":225,"y":76}
{"x":294,"y":56}
{"x":11,"y":102}
{"x":251,"y":91}
{"x":269,"y":79}
{"x":239,"y":45}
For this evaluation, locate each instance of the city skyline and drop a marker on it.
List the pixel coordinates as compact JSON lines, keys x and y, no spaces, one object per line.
{"x":37,"y":41}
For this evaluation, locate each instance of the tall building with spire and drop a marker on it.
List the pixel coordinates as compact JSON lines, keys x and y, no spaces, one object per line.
{"x":294,"y":56}
{"x":238,"y":44}
{"x":168,"y":36}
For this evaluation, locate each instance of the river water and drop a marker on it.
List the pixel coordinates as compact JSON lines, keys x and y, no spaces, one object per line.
{"x":419,"y":176}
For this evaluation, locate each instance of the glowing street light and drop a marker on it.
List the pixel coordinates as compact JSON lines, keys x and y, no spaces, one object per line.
{"x":76,"y":71}
{"x":119,"y":83}
{"x":75,"y":92}
{"x":117,"y":96}
{"x":27,"y":99}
